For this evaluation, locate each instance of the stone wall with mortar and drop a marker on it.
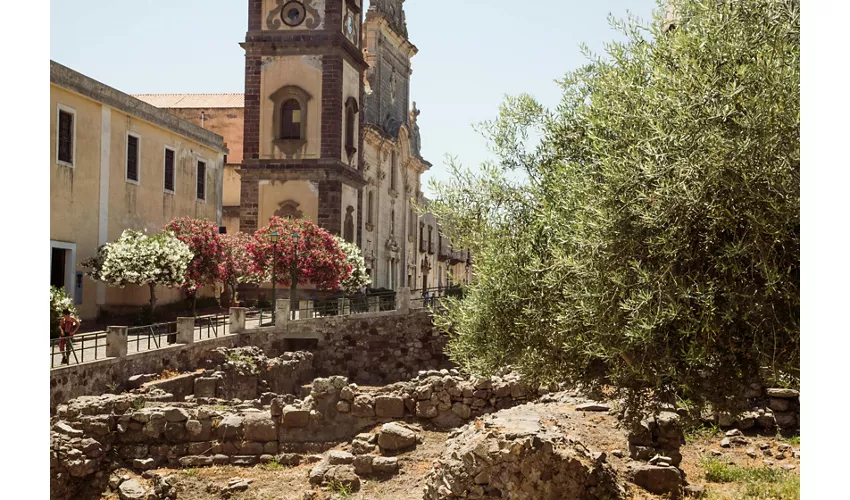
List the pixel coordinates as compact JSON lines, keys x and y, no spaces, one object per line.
{"x":90,"y":432}
{"x":373,"y":348}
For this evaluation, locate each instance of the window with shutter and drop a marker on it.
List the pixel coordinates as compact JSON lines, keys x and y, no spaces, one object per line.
{"x":66,"y":137}
{"x":201,"y":180}
{"x":169,"y":170}
{"x":132,"y":158}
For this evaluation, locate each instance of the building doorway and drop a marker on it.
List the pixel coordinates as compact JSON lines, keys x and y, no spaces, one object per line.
{"x":62,"y":266}
{"x":57,"y":267}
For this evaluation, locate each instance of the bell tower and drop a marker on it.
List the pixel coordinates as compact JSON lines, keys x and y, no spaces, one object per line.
{"x":303,"y":100}
{"x":388,"y":52}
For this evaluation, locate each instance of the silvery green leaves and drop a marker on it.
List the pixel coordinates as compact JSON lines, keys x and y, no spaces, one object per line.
{"x":655,"y":244}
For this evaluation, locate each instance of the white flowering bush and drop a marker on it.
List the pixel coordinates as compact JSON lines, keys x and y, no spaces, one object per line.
{"x":137,"y":258}
{"x":359,"y":277}
{"x":59,"y":300}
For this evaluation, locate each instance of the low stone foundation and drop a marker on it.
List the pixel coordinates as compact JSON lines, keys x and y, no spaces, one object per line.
{"x":373,"y":348}
{"x":144,"y":435}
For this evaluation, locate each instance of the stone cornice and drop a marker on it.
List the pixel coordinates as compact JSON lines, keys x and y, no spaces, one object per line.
{"x":79,"y":83}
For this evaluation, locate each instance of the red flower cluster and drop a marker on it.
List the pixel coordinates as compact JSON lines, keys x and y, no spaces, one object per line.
{"x":237,"y":265}
{"x":320,"y":259}
{"x":205,"y":243}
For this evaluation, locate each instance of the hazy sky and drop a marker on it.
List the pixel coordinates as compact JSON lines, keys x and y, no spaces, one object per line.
{"x":471,"y":53}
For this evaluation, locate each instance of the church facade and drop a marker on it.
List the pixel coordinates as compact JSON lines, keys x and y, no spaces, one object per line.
{"x":329,"y":132}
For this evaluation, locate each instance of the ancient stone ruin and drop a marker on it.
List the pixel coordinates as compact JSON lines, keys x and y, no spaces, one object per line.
{"x":241,"y":408}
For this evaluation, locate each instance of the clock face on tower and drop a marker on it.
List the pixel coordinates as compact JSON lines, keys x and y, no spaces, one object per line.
{"x":293,"y":13}
{"x":350,"y":28}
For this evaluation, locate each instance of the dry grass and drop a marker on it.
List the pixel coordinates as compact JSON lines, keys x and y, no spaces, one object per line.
{"x":762,"y":483}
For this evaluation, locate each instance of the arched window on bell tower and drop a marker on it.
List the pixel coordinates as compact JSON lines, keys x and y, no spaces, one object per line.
{"x":393,"y":174}
{"x":348,"y":231}
{"x":351,"y":110}
{"x":290,"y":126}
{"x":371,"y":209}
{"x":289,"y":132}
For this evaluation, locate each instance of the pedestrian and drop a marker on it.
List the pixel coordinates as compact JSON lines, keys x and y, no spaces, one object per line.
{"x":68,"y":326}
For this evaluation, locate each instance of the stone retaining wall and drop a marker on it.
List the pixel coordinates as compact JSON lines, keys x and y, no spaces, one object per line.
{"x":372,"y":348}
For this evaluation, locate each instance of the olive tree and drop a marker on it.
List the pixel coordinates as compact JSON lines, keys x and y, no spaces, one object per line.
{"x":654,"y":246}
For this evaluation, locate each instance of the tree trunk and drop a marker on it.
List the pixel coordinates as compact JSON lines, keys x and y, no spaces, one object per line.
{"x":233,"y":301}
{"x":153,"y":297}
{"x":194,"y":302}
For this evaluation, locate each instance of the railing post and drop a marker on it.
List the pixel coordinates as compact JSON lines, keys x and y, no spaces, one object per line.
{"x":185,"y":330}
{"x":343,"y":307}
{"x":374,"y":304}
{"x":116,"y":341}
{"x":305,"y":309}
{"x":237,"y":319}
{"x":282,"y":312}
{"x":402,"y":299}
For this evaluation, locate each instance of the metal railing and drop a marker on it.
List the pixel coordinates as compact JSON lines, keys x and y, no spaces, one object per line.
{"x":431,"y":298}
{"x":151,"y":337}
{"x":347,"y":305}
{"x":208,"y":327}
{"x":78,"y":349}
{"x":255,"y":318}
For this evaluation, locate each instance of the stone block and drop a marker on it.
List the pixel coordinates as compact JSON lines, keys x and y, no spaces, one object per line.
{"x":199,"y":448}
{"x":260,"y":427}
{"x":175,"y":414}
{"x":245,"y":460}
{"x":144,"y":463}
{"x":461,"y":410}
{"x":199,"y":430}
{"x":195,"y":461}
{"x":231,"y":427}
{"x":293,"y":417}
{"x":785,"y":420}
{"x":779,"y":404}
{"x":426,"y":409}
{"x":336,"y":457}
{"x":251,"y":448}
{"x":363,"y":464}
{"x":385,"y":465}
{"x":389,"y":407}
{"x":154,"y":428}
{"x":783,"y":393}
{"x":659,"y":479}
{"x":205,"y":387}
{"x":363,"y":406}
{"x":175,"y":432}
{"x":393,"y":437}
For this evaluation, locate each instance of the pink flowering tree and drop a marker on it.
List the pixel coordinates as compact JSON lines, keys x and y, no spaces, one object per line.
{"x":321,"y":260}
{"x":202,"y":237}
{"x":237,"y":265}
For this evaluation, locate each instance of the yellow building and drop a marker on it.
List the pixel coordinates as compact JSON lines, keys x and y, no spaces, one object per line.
{"x":119,"y":163}
{"x":327,"y":131}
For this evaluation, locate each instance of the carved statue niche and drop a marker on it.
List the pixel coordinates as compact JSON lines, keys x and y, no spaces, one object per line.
{"x":348,"y":231}
{"x":415,"y":137}
{"x":289,"y":208}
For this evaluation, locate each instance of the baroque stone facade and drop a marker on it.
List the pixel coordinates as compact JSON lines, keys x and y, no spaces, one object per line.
{"x":329,"y":132}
